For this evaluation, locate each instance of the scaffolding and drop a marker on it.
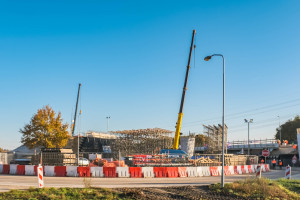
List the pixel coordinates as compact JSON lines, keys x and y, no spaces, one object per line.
{"x":141,"y":141}
{"x":214,"y":134}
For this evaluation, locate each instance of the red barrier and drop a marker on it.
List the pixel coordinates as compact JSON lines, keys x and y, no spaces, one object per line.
{"x":172,"y":172}
{"x":60,"y":170}
{"x":226,"y":170}
{"x":6,"y":169}
{"x":21,"y":170}
{"x":267,"y":168}
{"x":84,"y":171}
{"x":182,"y":172}
{"x":243,"y":169}
{"x":135,"y":172}
{"x":35,"y":170}
{"x":159,"y":172}
{"x":250,"y":169}
{"x":214,"y":171}
{"x":235,"y":170}
{"x":109,"y":172}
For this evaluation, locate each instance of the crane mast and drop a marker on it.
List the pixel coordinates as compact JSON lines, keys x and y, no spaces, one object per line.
{"x":180,"y":114}
{"x":73,"y":126}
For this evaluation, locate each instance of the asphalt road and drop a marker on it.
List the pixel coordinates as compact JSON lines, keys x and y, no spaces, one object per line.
{"x":8,"y":182}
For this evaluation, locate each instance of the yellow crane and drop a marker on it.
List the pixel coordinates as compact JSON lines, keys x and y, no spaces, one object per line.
{"x":180,"y":114}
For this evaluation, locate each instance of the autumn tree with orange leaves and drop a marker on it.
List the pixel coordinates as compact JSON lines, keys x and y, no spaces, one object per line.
{"x":45,"y":130}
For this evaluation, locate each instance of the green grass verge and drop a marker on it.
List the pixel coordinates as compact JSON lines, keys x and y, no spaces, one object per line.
{"x":62,"y":194}
{"x":254,"y":188}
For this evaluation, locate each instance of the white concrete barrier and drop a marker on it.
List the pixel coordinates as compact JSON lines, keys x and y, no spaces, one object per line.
{"x":29,"y":170}
{"x":199,"y":171}
{"x":97,"y":171}
{"x":49,"y":171}
{"x":206,"y":171}
{"x":72,"y":171}
{"x":246,"y":169}
{"x":191,"y":171}
{"x":13,"y":169}
{"x":147,"y":172}
{"x":220,"y":170}
{"x":122,"y":172}
{"x":253,"y":168}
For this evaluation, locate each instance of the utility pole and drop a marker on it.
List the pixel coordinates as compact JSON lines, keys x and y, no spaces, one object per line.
{"x":248,"y":121}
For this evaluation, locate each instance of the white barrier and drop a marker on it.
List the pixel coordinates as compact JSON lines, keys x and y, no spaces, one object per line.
{"x":199,"y":171}
{"x":1,"y":169}
{"x":246,"y":169}
{"x":220,"y":170}
{"x":206,"y":171}
{"x":29,"y":170}
{"x":13,"y":169}
{"x":239,"y":169}
{"x":231,"y":169}
{"x":72,"y":171}
{"x":148,"y":172}
{"x":122,"y":171}
{"x":97,"y":171}
{"x":49,"y":171}
{"x":191,"y":171}
{"x":263,"y":169}
{"x":253,"y":168}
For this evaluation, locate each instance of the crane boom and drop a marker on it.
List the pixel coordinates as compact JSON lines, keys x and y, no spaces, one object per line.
{"x":180,"y":114}
{"x":73,"y":126}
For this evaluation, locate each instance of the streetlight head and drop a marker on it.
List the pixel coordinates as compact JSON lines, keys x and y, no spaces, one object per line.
{"x":251,"y":120}
{"x":207,"y":58}
{"x":246,"y":120}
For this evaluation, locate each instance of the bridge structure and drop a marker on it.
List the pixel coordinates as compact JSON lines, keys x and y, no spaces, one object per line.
{"x":240,"y":146}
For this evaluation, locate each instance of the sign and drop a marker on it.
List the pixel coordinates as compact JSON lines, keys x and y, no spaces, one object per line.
{"x":265,"y":153}
{"x":106,"y":149}
{"x":294,"y":160}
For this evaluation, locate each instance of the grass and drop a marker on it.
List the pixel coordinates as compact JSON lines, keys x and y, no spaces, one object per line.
{"x":62,"y":194}
{"x":254,"y":188}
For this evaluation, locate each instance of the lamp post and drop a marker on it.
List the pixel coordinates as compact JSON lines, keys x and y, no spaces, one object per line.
{"x":107,"y":122}
{"x":207,"y":58}
{"x":279,"y":129}
{"x":248,"y":121}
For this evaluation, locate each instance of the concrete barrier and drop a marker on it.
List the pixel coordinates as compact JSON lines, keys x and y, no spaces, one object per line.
{"x":239,"y":169}
{"x":72,"y":171}
{"x":97,"y":172}
{"x":13,"y":169}
{"x":147,"y":172}
{"x":263,"y":169}
{"x":122,"y":172}
{"x":49,"y":171}
{"x":191,"y":171}
{"x":29,"y":170}
{"x":246,"y":168}
{"x":231,"y":169}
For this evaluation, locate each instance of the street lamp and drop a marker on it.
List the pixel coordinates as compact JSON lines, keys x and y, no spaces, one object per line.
{"x":207,"y":58}
{"x":248,"y":121}
{"x":279,"y":129}
{"x":107,"y":118}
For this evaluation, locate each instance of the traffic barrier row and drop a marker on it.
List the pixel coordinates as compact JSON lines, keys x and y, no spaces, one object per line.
{"x":133,"y":172}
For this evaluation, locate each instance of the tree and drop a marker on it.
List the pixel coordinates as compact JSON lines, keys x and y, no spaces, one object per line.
{"x":3,"y":150}
{"x":200,"y":140}
{"x":45,"y":130}
{"x":289,"y":130}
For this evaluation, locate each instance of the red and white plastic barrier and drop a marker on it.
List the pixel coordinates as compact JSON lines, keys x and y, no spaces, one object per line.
{"x":288,"y":172}
{"x":40,"y":176}
{"x":258,"y":171}
{"x":133,"y":172}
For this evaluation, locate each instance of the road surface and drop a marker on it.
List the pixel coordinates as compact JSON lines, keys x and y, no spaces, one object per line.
{"x":8,"y":182}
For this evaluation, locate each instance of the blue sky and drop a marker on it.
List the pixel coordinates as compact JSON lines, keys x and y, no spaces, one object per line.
{"x":131,"y":56}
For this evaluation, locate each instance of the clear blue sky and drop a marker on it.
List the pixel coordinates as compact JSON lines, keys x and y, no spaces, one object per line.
{"x":131,"y":56}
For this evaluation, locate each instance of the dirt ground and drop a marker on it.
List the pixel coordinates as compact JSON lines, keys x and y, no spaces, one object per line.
{"x":169,"y":193}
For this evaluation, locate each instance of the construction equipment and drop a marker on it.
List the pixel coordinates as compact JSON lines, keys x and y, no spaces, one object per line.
{"x":180,"y":114}
{"x":73,"y":125}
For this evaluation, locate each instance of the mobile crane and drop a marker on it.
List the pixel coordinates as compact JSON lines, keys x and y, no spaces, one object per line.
{"x":180,"y":114}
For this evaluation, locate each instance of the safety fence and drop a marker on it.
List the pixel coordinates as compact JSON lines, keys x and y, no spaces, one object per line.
{"x":133,"y":172}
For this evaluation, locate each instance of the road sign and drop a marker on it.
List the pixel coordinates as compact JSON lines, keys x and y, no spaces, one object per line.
{"x":265,"y":153}
{"x":294,"y":160}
